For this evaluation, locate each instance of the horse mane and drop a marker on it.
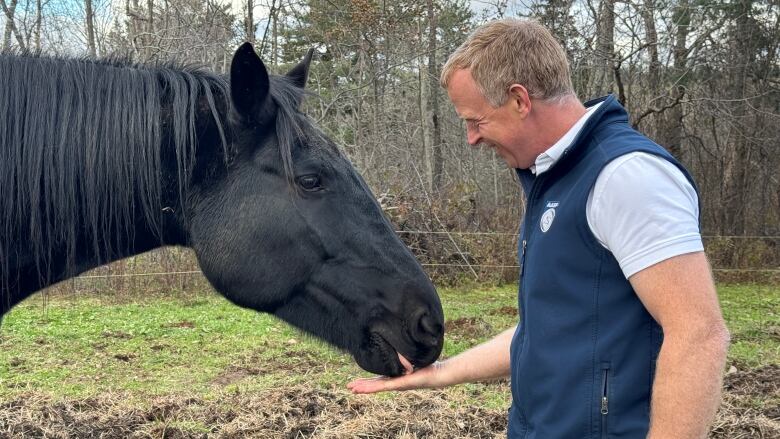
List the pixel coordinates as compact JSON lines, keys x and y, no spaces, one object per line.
{"x":83,"y":145}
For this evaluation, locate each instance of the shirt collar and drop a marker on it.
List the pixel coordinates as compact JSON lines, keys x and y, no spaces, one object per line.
{"x":554,"y":153}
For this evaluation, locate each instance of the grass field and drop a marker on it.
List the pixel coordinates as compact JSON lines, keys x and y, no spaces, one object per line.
{"x":193,"y":365}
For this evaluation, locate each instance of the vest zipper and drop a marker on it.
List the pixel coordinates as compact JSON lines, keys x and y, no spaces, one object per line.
{"x":522,"y":259}
{"x":531,"y":196}
{"x":604,"y":400}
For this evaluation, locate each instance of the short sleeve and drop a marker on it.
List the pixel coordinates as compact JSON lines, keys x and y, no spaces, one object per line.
{"x":644,"y":210}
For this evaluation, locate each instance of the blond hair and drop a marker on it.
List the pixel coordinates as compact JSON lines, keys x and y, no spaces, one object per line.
{"x":512,"y":51}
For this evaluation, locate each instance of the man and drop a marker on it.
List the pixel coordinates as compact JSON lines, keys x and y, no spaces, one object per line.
{"x":620,"y":334}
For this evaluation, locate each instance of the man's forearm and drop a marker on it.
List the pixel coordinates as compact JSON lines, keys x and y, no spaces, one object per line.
{"x":687,"y":387}
{"x":487,"y":361}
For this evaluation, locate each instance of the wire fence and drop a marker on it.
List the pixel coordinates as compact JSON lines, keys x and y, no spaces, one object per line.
{"x":178,"y":273}
{"x":465,"y":265}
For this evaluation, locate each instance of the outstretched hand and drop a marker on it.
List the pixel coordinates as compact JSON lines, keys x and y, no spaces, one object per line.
{"x":419,"y":379}
{"x":487,"y":361}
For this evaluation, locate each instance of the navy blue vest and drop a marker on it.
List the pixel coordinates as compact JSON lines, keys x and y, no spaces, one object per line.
{"x":583,"y":357}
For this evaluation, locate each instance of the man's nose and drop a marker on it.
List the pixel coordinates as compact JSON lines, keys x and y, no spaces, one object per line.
{"x":473,"y":137}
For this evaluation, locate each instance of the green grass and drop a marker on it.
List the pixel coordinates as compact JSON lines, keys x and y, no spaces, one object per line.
{"x":79,"y":347}
{"x":752,"y":314}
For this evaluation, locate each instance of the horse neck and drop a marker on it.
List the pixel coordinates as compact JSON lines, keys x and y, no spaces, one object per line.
{"x":29,"y":272}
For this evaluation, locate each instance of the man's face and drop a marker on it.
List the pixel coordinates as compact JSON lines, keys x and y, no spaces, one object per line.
{"x":499,"y":128}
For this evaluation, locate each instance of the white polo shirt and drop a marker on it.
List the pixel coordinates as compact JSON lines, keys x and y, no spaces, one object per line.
{"x":641,"y":208}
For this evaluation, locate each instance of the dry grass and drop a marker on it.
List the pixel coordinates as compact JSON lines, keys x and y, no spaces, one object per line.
{"x":751,"y":404}
{"x":303,"y":412}
{"x":296,"y":412}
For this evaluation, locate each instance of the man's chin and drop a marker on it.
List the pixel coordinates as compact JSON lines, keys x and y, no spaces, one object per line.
{"x":512,"y":162}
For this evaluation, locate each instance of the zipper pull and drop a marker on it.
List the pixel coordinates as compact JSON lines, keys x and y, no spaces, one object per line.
{"x":522,"y":261}
{"x":604,"y":405}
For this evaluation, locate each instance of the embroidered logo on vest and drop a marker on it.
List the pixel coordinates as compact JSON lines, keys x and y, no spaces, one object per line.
{"x":548,"y":216}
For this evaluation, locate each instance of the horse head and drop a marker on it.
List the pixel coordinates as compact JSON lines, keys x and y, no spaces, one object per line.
{"x":290,"y":228}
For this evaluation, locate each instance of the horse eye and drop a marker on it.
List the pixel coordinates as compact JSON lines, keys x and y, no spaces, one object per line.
{"x":310,"y":182}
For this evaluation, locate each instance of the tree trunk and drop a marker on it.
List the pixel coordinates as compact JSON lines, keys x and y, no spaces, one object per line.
{"x":38,"y":24}
{"x":433,"y":101}
{"x":735,"y":173}
{"x":654,"y":69}
{"x":10,"y":26}
{"x":651,"y":39}
{"x":9,"y":22}
{"x":132,"y":26}
{"x":150,"y":29}
{"x":275,"y":39}
{"x":674,"y":128}
{"x":90,"y":28}
{"x":601,"y":81}
{"x":249,"y":21}
{"x":425,"y":128}
{"x":272,"y":16}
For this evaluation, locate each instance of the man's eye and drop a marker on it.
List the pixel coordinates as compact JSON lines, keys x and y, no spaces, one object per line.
{"x":310,"y":182}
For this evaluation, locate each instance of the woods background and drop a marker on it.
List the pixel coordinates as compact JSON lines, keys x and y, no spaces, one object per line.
{"x":701,"y":77}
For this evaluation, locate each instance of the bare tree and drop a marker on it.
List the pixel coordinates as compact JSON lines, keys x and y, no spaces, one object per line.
{"x":10,"y":26}
{"x":672,"y":128}
{"x":432,"y":113}
{"x":736,"y":173}
{"x":651,"y":40}
{"x":90,"y":28}
{"x":603,"y":56}
{"x":38,"y":25}
{"x":249,"y":21}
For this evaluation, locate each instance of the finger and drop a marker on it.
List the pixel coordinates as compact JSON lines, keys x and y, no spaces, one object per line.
{"x":418,"y":379}
{"x":368,"y":385}
{"x":380,"y":384}
{"x":383,"y":384}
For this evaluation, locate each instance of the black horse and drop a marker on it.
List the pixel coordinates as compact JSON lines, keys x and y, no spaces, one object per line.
{"x":101,"y":160}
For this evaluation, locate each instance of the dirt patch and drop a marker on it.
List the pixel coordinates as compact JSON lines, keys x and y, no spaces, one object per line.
{"x":159,"y":347}
{"x":467,"y":328}
{"x":751,"y":404}
{"x":774,"y":332}
{"x":124,"y":357}
{"x":292,"y":362}
{"x":235,"y":374}
{"x":116,"y":334}
{"x":762,"y":381}
{"x":739,"y":418}
{"x":183,"y":324}
{"x":504,"y":311}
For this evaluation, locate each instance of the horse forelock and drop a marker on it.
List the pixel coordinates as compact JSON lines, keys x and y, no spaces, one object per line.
{"x":293,"y":128}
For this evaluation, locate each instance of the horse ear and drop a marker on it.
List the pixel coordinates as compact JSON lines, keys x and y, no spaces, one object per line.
{"x":300,"y":73}
{"x":249,"y":83}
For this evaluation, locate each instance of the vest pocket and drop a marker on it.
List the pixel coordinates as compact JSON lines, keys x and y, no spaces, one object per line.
{"x":604,"y":398}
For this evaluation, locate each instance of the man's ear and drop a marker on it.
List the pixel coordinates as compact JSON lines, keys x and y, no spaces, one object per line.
{"x":249,"y":83}
{"x":521,"y":101}
{"x":300,"y":72}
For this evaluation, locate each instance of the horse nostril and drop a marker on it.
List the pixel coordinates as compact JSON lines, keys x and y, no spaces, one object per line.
{"x":428,"y":330}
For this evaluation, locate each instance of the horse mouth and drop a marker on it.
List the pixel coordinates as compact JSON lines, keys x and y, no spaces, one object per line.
{"x":397,"y":363}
